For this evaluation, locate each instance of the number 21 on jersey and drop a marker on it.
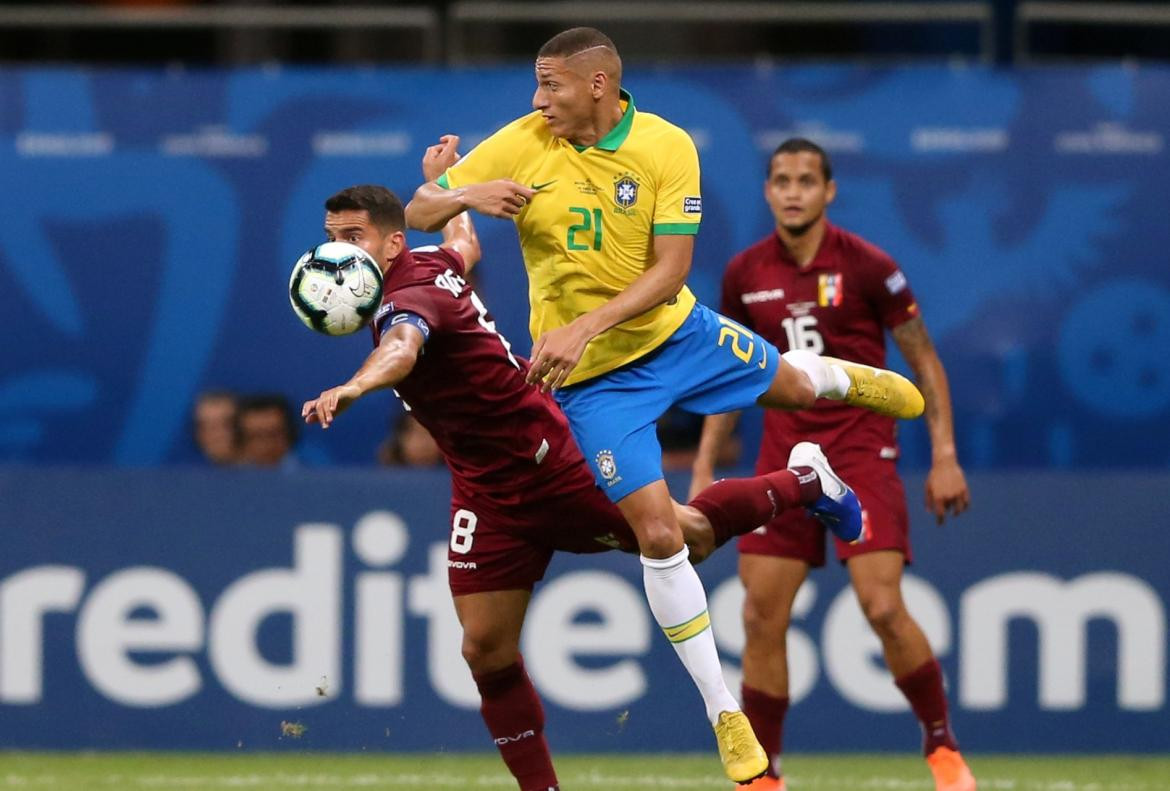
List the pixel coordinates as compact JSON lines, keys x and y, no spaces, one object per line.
{"x":587,"y":222}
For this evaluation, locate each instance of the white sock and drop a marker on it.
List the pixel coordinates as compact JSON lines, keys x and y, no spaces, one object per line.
{"x":828,"y":380}
{"x":679,"y":604}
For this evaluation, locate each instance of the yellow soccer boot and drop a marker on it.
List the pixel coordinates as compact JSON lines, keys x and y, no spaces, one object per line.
{"x":743,"y":758}
{"x":879,"y":390}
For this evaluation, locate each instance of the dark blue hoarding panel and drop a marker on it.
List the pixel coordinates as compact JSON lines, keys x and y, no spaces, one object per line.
{"x":188,"y":609}
{"x":151,"y":219}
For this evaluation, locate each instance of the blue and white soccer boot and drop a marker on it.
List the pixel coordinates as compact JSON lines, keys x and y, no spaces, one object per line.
{"x":838,"y":507}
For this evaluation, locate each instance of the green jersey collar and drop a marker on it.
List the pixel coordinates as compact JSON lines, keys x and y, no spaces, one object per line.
{"x":615,"y":137}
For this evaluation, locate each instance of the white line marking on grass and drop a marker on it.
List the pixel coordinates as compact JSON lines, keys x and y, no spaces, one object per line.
{"x":24,"y":781}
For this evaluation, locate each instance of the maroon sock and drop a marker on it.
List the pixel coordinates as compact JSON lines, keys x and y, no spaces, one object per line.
{"x":515,"y":719}
{"x":923,"y":687}
{"x":766,"y":714}
{"x":735,"y":506}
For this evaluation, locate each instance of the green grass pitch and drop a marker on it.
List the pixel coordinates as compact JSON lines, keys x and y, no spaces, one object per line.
{"x":272,"y":771}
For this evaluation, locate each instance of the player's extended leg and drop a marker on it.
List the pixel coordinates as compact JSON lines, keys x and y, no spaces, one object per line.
{"x":877,"y":580}
{"x":770,"y":586}
{"x":509,"y":704}
{"x":679,"y":604}
{"x":876,"y":389}
{"x":734,"y":506}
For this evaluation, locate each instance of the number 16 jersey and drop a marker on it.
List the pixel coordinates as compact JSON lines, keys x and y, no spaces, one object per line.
{"x":840,"y":305}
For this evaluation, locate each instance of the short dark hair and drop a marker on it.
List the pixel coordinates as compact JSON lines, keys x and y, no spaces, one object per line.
{"x":216,"y":394}
{"x":264,"y":403}
{"x":384,"y":207}
{"x":575,"y":40}
{"x":801,"y":145}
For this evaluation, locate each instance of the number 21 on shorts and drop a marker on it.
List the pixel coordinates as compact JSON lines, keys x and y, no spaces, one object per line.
{"x":733,"y":336}
{"x":463,"y":531}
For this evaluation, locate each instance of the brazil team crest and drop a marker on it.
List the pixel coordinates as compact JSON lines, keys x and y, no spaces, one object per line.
{"x":625,"y":191}
{"x":607,"y":466}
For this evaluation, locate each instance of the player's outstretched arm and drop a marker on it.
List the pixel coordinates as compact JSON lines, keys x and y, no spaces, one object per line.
{"x":459,"y":232}
{"x":386,"y":366}
{"x":716,"y":430}
{"x":556,"y":353}
{"x":946,"y":486}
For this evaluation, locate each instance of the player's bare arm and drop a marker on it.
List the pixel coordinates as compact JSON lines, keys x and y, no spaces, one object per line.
{"x":390,"y":363}
{"x":459,"y":232}
{"x":433,"y":206}
{"x":716,"y":430}
{"x":946,"y":486}
{"x":556,"y":353}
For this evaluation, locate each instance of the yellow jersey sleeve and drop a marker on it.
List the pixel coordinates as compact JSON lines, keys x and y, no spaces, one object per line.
{"x":494,"y":158}
{"x":678,"y":207}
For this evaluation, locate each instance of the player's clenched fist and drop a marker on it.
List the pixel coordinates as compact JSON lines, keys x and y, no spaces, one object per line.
{"x":500,"y":198}
{"x":439,"y":157}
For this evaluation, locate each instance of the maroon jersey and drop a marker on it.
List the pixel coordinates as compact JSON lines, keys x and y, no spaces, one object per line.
{"x":840,"y":305}
{"x":503,"y":440}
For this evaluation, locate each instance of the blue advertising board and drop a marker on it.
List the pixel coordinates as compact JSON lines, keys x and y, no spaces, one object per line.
{"x":151,"y":217}
{"x":201,"y":609}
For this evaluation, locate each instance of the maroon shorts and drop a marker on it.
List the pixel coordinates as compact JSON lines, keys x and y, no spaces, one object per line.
{"x":794,"y":534}
{"x":493,"y":547}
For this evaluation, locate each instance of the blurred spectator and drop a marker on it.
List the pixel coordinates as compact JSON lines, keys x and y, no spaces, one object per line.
{"x":213,"y":426}
{"x":146,"y":3}
{"x":409,"y":445}
{"x":678,"y":434}
{"x":266,"y":431}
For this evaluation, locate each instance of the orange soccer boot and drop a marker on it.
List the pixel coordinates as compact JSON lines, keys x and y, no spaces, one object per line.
{"x":764,"y":783}
{"x":950,"y":770}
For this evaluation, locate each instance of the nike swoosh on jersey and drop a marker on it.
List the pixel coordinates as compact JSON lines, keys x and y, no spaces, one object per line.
{"x":539,"y":187}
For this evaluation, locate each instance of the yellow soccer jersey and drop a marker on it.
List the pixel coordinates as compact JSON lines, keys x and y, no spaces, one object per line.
{"x":589,"y":231}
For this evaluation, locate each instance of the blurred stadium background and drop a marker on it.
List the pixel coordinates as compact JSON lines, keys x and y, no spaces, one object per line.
{"x":163,"y":164}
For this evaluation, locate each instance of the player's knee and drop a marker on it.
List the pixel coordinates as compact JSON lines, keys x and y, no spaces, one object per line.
{"x":485,"y":651}
{"x":764,"y":621}
{"x":884,"y":613}
{"x":659,"y":539}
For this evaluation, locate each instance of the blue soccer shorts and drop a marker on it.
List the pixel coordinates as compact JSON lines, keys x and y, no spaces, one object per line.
{"x":709,"y":365}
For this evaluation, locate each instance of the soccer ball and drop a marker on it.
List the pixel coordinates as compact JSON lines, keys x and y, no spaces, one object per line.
{"x":335,"y":288}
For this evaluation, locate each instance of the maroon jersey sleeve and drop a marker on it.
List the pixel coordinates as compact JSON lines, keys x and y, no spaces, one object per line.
{"x":427,"y":299}
{"x":451,"y":255}
{"x":885,"y":287}
{"x":420,"y":300}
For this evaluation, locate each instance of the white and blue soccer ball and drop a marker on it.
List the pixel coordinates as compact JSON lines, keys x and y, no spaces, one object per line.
{"x":335,"y":288}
